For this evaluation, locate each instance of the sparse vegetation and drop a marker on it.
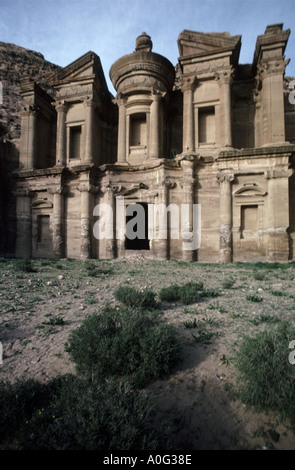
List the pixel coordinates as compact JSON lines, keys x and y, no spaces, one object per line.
{"x":71,"y":414}
{"x":254,"y":298}
{"x":133,"y":344}
{"x":266,"y":376}
{"x":187,"y":294}
{"x":136,"y":298}
{"x":169,"y":311}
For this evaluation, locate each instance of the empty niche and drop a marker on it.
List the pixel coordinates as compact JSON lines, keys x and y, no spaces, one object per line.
{"x":75,"y":141}
{"x":249,"y":221}
{"x":207,"y":125}
{"x":138,"y":135}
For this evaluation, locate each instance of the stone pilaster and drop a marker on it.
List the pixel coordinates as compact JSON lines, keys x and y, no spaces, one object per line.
{"x":121,"y":101}
{"x":28,"y":149}
{"x":271,"y":76}
{"x":187,"y":225}
{"x":57,"y":221}
{"x":61,"y":137}
{"x":24,"y":223}
{"x":86,"y":191}
{"x":110,"y":242}
{"x":225,"y":180}
{"x":224,"y":79}
{"x":155,"y":127}
{"x":188,"y":87}
{"x":89,"y":118}
{"x":278,"y":214}
{"x":160,"y":242}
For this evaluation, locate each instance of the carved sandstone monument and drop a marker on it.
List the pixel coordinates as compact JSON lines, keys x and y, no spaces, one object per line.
{"x":209,"y":131}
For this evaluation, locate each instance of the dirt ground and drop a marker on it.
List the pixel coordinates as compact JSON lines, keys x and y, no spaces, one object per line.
{"x":39,"y":309}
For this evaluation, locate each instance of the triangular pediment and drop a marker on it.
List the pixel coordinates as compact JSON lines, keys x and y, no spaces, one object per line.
{"x":191,"y":43}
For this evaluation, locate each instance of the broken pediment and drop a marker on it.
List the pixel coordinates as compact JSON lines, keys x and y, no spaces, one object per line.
{"x":87,"y":66}
{"x":197,"y":44}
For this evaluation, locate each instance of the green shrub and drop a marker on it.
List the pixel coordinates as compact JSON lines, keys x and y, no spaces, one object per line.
{"x":187,"y":294}
{"x":18,"y":402}
{"x":129,"y":343}
{"x":78,"y":415}
{"x":131,"y":297}
{"x":190,"y":292}
{"x":259,"y":276}
{"x":95,"y":271}
{"x":25,"y":265}
{"x":228,"y":283}
{"x":254,"y":298}
{"x":170,"y":294}
{"x":267,"y":379}
{"x":209,"y":293}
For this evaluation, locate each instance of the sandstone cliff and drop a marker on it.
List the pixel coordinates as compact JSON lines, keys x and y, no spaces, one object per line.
{"x":17,"y":63}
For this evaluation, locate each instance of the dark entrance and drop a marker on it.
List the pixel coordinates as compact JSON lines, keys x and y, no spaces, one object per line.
{"x":140,"y":216}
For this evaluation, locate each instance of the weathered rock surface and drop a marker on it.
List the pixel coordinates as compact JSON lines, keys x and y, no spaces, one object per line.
{"x":17,"y":63}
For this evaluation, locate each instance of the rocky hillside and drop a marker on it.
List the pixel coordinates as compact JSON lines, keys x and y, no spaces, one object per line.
{"x":17,"y":63}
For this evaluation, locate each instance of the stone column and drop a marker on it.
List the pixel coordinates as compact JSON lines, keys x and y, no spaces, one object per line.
{"x":28,"y":150}
{"x":89,"y":118}
{"x":187,"y":225}
{"x":61,"y":155}
{"x":110,"y":243}
{"x":278,"y":214}
{"x":161,"y":227}
{"x":155,"y":127}
{"x":224,"y":80}
{"x":121,"y":129}
{"x":23,"y":247}
{"x":127,"y":141}
{"x":58,"y":242}
{"x":225,"y":180}
{"x":188,"y":115}
{"x":85,"y":247}
{"x":272,"y":100}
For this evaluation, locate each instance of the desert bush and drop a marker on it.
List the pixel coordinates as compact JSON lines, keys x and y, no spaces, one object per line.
{"x":131,"y":297}
{"x":228,"y":283}
{"x":77,"y":415}
{"x":170,"y":294}
{"x":259,"y":275}
{"x":188,"y":293}
{"x":130,"y":343}
{"x":254,"y":298}
{"x":96,"y":271}
{"x":267,"y":379}
{"x":25,"y":265}
{"x":17,"y":403}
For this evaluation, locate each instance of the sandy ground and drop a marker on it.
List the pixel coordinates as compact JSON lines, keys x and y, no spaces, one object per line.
{"x":198,"y":398}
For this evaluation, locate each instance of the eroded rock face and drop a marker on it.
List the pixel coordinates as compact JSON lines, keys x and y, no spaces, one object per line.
{"x":16,"y":64}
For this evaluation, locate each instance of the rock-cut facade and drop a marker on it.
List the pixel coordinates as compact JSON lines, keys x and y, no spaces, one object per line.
{"x":210,"y":141}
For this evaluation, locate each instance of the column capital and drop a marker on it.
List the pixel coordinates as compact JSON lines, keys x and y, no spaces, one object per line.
{"x":57,"y":190}
{"x":167,"y":184}
{"x":225,"y":177}
{"x":188,"y":83}
{"x":273,"y":173}
{"x":87,"y":187}
{"x":120,"y":99}
{"x":23,"y":193}
{"x":30,"y":109}
{"x":88,"y":101}
{"x":225,"y":76}
{"x":60,"y":106}
{"x":268,"y":68}
{"x":157,"y":95}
